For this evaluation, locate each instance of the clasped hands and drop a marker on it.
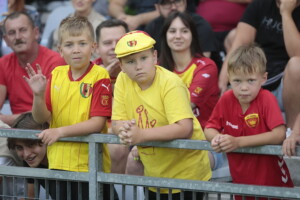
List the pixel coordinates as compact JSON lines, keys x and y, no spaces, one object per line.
{"x":224,"y":143}
{"x":129,"y":133}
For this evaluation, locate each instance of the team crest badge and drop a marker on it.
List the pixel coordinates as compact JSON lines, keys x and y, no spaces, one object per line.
{"x":86,"y":89}
{"x":198,"y":90}
{"x":132,"y":43}
{"x":104,"y":100}
{"x":252,"y":120}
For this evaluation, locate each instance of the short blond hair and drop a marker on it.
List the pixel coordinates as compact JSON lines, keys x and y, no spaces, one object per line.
{"x":75,"y":26}
{"x":248,"y":60}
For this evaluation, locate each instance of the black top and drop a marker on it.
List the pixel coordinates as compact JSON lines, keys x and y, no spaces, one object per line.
{"x":265,"y":17}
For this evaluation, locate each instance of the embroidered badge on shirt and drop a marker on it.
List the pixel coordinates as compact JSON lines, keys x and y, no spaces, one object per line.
{"x":252,"y":120}
{"x":86,"y":89}
{"x":104,"y":100}
{"x":198,"y":90}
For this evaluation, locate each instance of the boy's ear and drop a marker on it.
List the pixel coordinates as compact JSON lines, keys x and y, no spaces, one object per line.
{"x":265,"y":77}
{"x":94,"y":47}
{"x":121,"y":64}
{"x":155,"y":56}
{"x":60,"y":50}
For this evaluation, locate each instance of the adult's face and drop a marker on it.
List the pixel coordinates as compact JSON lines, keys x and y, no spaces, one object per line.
{"x":109,"y":37}
{"x":82,"y":6}
{"x":179,"y":37}
{"x":169,"y":6}
{"x":20,"y":35}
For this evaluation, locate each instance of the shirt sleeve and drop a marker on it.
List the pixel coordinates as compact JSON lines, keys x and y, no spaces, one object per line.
{"x":204,"y":84}
{"x":2,"y":75}
{"x":251,"y":15}
{"x":176,"y":101}
{"x":102,"y":98}
{"x":273,"y":115}
{"x":216,"y":119}
{"x":119,"y":109}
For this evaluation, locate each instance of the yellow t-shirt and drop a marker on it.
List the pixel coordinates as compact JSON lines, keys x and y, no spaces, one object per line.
{"x":165,"y":102}
{"x":71,"y":105}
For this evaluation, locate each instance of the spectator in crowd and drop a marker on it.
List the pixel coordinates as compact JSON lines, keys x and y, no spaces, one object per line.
{"x":83,"y":9}
{"x":138,"y":13}
{"x":101,"y":6}
{"x":144,"y":12}
{"x":107,"y":35}
{"x":31,"y":151}
{"x":274,"y":25}
{"x":21,"y":35}
{"x":165,"y":7}
{"x":248,"y":116}
{"x":79,"y":82}
{"x":18,"y":6}
{"x":289,"y":144}
{"x":10,"y":158}
{"x":145,"y":108}
{"x":223,"y":16}
{"x":181,"y":54}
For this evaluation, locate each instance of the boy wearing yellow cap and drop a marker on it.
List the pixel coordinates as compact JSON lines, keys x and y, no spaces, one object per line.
{"x":152,"y":104}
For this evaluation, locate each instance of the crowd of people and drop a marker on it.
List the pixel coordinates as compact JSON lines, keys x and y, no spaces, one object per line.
{"x":155,"y":71}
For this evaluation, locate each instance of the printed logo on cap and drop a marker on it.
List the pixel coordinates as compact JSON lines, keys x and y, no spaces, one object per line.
{"x":132,"y":43}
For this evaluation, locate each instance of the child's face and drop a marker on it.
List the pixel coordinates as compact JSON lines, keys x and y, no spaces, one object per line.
{"x":32,"y":154}
{"x":76,"y":50}
{"x":179,"y":37}
{"x":140,"y":67}
{"x":246,"y":86}
{"x":109,"y":37}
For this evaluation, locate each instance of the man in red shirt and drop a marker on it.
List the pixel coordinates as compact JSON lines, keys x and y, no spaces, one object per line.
{"x":22,"y":36}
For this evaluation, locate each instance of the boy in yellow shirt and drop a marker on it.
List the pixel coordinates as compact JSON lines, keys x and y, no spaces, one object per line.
{"x":152,"y":104}
{"x":76,"y":102}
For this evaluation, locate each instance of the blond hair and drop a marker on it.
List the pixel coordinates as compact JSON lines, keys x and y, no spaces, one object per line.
{"x":75,"y":26}
{"x":248,"y":60}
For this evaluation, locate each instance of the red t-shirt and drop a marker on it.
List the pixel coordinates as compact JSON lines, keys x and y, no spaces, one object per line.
{"x":19,"y":93}
{"x":263,"y":115}
{"x":222,"y":15}
{"x":201,"y":78}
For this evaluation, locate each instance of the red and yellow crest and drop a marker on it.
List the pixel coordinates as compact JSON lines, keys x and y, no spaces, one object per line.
{"x":132,"y":43}
{"x":104,"y":100}
{"x":198,"y":90}
{"x":252,"y":120}
{"x":86,"y":89}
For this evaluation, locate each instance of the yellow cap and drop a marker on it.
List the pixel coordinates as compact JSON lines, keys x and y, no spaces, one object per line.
{"x":133,"y":42}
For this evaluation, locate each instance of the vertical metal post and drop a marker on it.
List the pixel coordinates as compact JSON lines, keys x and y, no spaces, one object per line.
{"x":95,"y":164}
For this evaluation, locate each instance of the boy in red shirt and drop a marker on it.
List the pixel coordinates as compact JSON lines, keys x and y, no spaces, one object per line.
{"x":249,"y":116}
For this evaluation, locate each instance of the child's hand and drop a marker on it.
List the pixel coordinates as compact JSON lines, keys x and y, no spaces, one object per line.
{"x":215,"y":143}
{"x":135,"y":153}
{"x":37,"y":81}
{"x":49,"y":136}
{"x":289,"y":145}
{"x":130,"y":134}
{"x":228,"y":143}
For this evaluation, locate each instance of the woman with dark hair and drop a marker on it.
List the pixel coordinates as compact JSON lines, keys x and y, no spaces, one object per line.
{"x":181,"y":53}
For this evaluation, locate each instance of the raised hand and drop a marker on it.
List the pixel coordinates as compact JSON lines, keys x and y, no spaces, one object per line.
{"x":36,"y":80}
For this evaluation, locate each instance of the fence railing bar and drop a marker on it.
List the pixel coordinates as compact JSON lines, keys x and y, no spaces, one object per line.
{"x":205,"y":186}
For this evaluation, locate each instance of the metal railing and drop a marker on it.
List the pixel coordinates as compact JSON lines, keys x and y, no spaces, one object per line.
{"x":96,"y":177}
